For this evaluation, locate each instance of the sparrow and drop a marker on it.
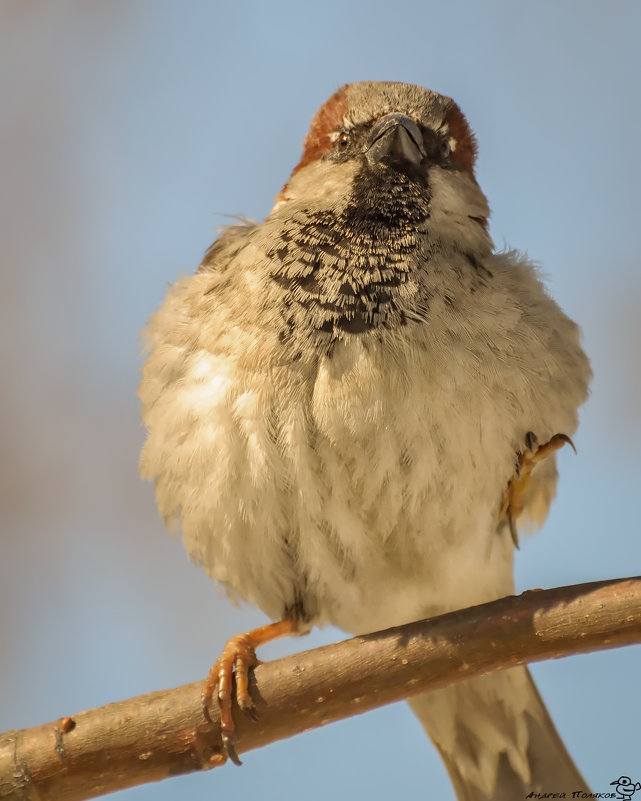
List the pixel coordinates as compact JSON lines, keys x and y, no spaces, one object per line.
{"x":351,"y":406}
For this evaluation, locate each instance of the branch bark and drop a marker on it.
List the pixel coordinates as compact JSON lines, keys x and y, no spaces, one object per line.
{"x":163,"y":734}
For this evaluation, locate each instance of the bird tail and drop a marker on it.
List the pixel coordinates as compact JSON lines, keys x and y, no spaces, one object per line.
{"x":497,"y":739}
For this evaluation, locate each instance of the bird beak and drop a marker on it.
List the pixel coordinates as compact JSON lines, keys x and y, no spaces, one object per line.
{"x":395,"y":138}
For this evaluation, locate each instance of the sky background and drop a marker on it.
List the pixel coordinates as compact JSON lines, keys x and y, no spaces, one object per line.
{"x":128,"y":129}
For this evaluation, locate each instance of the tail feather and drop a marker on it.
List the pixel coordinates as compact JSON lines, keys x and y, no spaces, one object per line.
{"x":497,"y":739}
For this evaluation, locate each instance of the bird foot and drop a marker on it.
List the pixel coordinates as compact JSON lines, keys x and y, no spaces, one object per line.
{"x":514,"y":495}
{"x":236,"y":660}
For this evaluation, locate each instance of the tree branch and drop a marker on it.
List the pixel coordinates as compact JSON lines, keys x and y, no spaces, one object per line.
{"x":163,"y":734}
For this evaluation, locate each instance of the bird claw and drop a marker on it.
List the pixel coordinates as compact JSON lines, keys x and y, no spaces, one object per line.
{"x":235,"y":662}
{"x":514,"y":495}
{"x":230,"y":748}
{"x":251,"y":712}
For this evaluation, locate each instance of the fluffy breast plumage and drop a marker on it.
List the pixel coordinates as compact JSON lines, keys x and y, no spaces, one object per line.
{"x":295,"y":477}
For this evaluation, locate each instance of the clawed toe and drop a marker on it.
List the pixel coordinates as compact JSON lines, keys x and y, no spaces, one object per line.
{"x":233,"y":667}
{"x":236,"y":660}
{"x":514,"y":495}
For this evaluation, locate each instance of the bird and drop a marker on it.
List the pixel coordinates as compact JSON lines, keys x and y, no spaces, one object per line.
{"x":353,"y":406}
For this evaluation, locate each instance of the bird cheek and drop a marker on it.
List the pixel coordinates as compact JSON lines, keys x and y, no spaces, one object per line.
{"x":329,"y":182}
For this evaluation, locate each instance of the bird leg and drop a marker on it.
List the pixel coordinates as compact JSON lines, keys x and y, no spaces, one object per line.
{"x":514,"y":495}
{"x":237,"y":658}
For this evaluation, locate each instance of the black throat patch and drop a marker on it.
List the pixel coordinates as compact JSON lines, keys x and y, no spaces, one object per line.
{"x":349,"y":270}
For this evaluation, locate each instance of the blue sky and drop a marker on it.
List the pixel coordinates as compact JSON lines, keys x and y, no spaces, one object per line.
{"x":127,"y":131}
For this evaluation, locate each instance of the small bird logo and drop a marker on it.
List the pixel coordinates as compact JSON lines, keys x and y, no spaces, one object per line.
{"x":625,"y":787}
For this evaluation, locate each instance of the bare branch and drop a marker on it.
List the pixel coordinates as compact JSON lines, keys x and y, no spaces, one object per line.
{"x":163,"y":734}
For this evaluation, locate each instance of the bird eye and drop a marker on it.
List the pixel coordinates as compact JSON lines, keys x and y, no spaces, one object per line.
{"x":445,"y":148}
{"x":343,"y":141}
